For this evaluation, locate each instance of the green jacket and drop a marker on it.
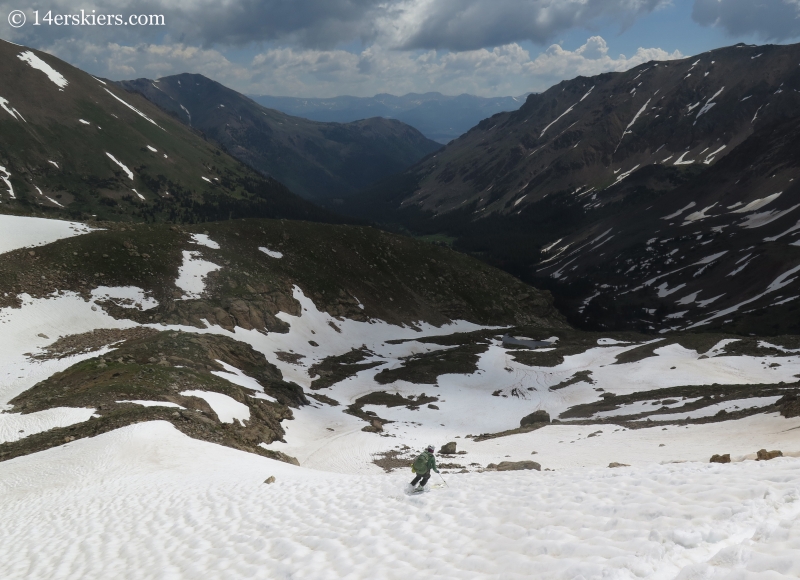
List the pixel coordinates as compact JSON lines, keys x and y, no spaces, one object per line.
{"x":431,"y":464}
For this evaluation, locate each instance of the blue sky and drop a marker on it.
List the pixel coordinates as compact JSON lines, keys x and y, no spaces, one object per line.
{"x":322,"y":48}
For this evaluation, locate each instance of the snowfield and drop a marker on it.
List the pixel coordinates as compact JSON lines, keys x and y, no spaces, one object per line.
{"x":147,"y":502}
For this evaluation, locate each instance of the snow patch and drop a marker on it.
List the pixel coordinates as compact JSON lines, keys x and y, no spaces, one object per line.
{"x":679,"y":212}
{"x":37,"y":63}
{"x":204,"y":240}
{"x":25,"y":232}
{"x":125,"y":297}
{"x":192,"y":275}
{"x":758,"y":203}
{"x":155,"y":404}
{"x":271,"y":253}
{"x":124,"y":167}
{"x":134,"y":109}
{"x":227,"y":408}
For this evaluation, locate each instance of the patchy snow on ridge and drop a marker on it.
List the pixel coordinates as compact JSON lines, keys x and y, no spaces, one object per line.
{"x":155,"y":404}
{"x":24,"y":232}
{"x":125,"y":297}
{"x":37,"y":63}
{"x":271,"y":253}
{"x":192,"y":274}
{"x":5,"y":176}
{"x":204,"y":240}
{"x":124,"y":167}
{"x":680,"y":211}
{"x":134,"y":109}
{"x":237,"y":377}
{"x":227,"y":408}
{"x":758,"y":203}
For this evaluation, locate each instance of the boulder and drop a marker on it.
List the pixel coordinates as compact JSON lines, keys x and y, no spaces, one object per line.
{"x":375,"y":426}
{"x":615,"y":464}
{"x":540,"y":416}
{"x":518,"y":465}
{"x":764,"y":455}
{"x":270,"y":479}
{"x":448,"y":448}
{"x":720,"y":458}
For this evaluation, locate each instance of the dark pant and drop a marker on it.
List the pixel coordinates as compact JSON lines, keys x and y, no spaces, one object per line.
{"x":421,"y":478}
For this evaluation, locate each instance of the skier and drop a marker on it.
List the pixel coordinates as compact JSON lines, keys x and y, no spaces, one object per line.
{"x":422,"y":466}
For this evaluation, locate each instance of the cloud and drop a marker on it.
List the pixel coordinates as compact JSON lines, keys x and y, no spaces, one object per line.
{"x":459,"y":25}
{"x":767,"y":19}
{"x":455,"y":25}
{"x":309,"y":23}
{"x":503,"y":70}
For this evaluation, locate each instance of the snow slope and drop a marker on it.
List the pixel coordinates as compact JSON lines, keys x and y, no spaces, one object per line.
{"x":23,"y":232}
{"x":147,"y":502}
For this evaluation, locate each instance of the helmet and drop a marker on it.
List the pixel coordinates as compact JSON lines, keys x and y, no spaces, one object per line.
{"x":430,"y":449}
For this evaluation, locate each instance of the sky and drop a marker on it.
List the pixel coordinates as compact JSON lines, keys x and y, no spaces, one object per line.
{"x":325,"y":48}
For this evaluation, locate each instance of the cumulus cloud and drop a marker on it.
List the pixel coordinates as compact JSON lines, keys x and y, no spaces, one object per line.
{"x":454,"y":25}
{"x":767,"y":19}
{"x":459,"y":25}
{"x":503,"y":70}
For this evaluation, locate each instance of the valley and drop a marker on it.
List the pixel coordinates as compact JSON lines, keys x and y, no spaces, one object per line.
{"x":211,"y":369}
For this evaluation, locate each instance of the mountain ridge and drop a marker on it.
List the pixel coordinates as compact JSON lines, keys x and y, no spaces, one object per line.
{"x":78,"y":146}
{"x":439,"y":117}
{"x":526,"y":190}
{"x":318,"y":161}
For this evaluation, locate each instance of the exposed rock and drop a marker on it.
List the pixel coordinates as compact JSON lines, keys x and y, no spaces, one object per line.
{"x":615,"y":464}
{"x":518,"y":465}
{"x":433,"y":407}
{"x":764,"y":455}
{"x":540,"y":416}
{"x":375,"y":426}
{"x":720,"y":458}
{"x":278,"y":456}
{"x":448,"y":448}
{"x":789,"y":405}
{"x":270,"y":479}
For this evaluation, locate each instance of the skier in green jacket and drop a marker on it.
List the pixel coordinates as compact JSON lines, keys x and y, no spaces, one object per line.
{"x":423,"y":465}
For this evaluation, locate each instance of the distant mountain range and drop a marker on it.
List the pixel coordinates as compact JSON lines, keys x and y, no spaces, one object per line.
{"x":318,"y":161}
{"x":437,"y":116}
{"x":665,"y":197}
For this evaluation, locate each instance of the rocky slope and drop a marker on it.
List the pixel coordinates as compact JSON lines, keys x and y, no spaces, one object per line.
{"x":213,"y":309}
{"x":437,"y":116}
{"x":75,"y":145}
{"x":696,"y":157}
{"x":319,"y":161}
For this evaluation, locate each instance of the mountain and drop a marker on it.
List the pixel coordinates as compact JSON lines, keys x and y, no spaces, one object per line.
{"x":437,"y":116}
{"x":319,"y":161}
{"x":75,"y":145}
{"x":635,"y":197}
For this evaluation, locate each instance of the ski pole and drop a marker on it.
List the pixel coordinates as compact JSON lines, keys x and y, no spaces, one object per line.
{"x":440,"y":475}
